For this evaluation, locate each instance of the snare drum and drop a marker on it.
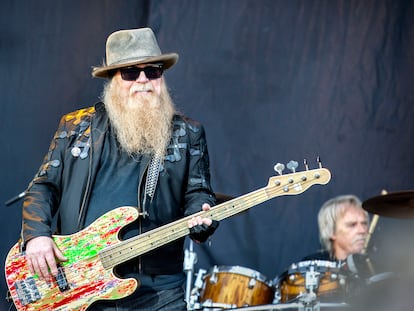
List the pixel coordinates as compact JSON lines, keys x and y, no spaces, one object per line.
{"x":235,"y":286}
{"x":318,"y":278}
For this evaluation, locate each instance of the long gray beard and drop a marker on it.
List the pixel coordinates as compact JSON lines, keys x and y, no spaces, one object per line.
{"x":140,"y":125}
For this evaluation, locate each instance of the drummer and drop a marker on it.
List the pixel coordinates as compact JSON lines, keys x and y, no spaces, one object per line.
{"x":343,"y":228}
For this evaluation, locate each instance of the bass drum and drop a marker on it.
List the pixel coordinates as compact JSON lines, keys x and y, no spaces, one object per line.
{"x":230,"y":287}
{"x":319,"y":278}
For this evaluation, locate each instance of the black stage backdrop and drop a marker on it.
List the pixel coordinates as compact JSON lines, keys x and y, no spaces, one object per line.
{"x":272,"y":81}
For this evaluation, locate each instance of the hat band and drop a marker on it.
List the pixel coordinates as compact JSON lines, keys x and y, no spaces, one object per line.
{"x":129,"y":60}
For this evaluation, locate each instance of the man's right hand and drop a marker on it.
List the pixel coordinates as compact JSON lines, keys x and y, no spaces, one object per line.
{"x":42,"y":255}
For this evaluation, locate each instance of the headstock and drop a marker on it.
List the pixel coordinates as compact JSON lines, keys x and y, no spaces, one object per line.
{"x":296,"y":182}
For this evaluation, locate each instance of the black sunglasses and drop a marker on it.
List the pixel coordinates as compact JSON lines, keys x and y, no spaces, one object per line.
{"x":132,"y":73}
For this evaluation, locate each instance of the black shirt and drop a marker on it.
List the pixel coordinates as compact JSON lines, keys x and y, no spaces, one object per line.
{"x":116,"y":185}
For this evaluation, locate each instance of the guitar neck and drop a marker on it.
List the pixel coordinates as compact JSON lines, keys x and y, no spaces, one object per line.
{"x":156,"y":238}
{"x":291,"y":184}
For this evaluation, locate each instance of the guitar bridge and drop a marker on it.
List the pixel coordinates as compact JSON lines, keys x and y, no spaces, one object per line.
{"x":27,"y":291}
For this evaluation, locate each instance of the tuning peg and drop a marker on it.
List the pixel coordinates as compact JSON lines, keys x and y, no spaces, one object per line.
{"x":292,"y":165}
{"x":305,"y":162}
{"x":279,"y":167}
{"x":318,"y":159}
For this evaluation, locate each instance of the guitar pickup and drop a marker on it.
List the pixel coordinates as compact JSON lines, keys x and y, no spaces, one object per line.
{"x":27,"y":291}
{"x":61,"y":280}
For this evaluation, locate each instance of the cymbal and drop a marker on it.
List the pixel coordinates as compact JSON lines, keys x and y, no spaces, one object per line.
{"x":395,"y":204}
{"x":221,"y":197}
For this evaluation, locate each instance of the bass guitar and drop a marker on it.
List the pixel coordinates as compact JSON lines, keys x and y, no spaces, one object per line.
{"x":93,"y":252}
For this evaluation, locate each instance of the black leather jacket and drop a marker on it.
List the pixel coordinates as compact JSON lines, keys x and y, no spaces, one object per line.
{"x":60,"y":191}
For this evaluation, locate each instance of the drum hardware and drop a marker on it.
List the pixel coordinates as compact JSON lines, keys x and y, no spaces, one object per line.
{"x":194,"y":298}
{"x":198,"y":283}
{"x":190,"y":258}
{"x":210,"y":305}
{"x":312,"y":281}
{"x":296,"y":306}
{"x":213,"y":275}
{"x":252,"y":283}
{"x":309,"y":305}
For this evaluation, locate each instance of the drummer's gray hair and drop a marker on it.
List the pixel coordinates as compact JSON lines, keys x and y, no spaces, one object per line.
{"x":329,"y":213}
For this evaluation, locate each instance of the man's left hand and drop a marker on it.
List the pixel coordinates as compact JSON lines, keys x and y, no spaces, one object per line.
{"x":201,"y":227}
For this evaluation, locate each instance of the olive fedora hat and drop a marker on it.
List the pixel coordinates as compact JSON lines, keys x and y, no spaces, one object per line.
{"x":132,"y":47}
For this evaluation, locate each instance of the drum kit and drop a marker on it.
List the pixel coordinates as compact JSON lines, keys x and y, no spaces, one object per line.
{"x":310,"y":285}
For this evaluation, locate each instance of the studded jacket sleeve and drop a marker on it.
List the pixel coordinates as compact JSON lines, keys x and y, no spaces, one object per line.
{"x":44,"y":194}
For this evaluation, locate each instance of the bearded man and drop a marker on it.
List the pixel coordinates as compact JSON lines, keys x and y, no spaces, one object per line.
{"x":132,"y":149}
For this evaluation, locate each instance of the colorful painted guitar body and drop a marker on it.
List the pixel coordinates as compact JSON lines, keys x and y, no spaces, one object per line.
{"x":92,"y":253}
{"x":82,"y":279}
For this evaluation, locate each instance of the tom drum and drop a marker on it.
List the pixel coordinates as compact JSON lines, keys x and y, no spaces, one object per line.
{"x":316,"y":278}
{"x":235,"y":286}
